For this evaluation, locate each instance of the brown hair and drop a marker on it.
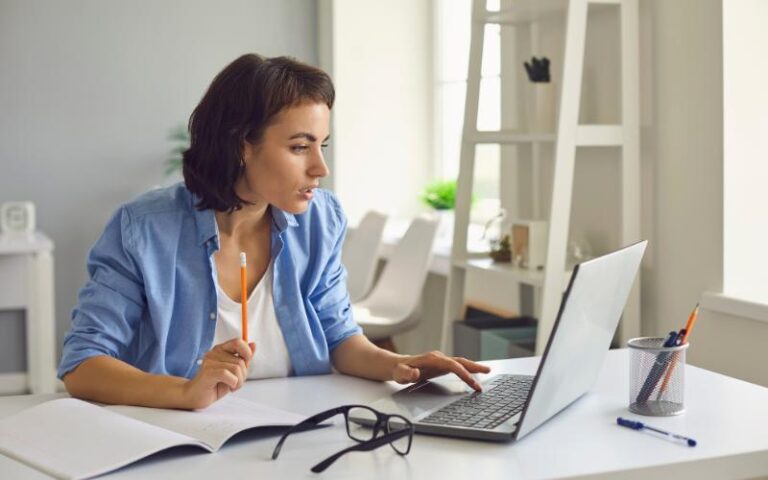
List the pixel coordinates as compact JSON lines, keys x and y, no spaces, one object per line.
{"x":238,"y":107}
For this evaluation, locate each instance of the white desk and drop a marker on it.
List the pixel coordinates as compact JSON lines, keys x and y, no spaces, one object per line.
{"x":26,"y":283}
{"x":728,"y":417}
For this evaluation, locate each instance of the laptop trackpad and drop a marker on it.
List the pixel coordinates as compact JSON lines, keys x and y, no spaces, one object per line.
{"x":414,"y":401}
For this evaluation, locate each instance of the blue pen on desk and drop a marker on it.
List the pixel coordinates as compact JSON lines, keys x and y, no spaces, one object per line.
{"x":657,"y":370}
{"x":635,"y":425}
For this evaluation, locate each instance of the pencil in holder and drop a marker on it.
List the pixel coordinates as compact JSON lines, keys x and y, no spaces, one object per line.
{"x":656,"y":377}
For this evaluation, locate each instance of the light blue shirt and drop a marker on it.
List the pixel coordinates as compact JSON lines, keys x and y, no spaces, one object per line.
{"x":151,"y":297}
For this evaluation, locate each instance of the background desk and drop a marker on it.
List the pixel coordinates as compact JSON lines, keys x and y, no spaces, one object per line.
{"x":728,"y":417}
{"x":26,"y":283}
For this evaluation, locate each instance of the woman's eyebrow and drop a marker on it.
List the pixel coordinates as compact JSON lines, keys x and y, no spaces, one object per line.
{"x":308,"y":136}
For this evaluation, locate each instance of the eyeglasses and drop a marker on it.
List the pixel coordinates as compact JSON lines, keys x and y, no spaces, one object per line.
{"x":398,"y":432}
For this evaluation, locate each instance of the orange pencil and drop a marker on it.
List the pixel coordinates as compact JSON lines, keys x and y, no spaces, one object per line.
{"x":244,"y":295}
{"x":686,"y":333}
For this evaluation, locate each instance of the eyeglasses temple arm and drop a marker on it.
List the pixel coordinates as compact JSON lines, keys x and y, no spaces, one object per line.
{"x":304,"y":425}
{"x":362,"y":447}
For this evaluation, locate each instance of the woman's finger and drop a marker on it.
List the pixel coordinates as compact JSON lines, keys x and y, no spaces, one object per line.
{"x":443,"y":364}
{"x":226,"y":376}
{"x":473,"y":367}
{"x":224,"y":357}
{"x":236,"y":346}
{"x":215,"y":367}
{"x":405,"y":374}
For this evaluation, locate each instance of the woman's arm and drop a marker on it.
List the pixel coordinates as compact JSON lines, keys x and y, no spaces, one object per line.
{"x":359,"y":357}
{"x":108,"y":380}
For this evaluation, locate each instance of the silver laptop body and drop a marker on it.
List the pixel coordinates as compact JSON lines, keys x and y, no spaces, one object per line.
{"x":589,"y":313}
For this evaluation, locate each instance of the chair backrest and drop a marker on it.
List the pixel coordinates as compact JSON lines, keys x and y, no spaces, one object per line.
{"x":400,"y":285}
{"x":360,"y":254}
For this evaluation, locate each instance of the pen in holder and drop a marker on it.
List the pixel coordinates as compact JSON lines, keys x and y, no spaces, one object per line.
{"x":656,"y":377}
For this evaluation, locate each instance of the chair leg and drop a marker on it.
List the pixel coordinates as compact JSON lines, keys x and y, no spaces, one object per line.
{"x":386,"y":344}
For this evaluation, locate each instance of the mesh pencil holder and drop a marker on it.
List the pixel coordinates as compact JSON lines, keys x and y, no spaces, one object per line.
{"x":656,"y":377}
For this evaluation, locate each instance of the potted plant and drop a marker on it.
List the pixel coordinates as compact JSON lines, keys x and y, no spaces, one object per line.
{"x":441,"y":197}
{"x":179,"y":136}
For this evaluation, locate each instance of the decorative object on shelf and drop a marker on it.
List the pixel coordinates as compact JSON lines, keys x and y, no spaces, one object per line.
{"x":502,"y":253}
{"x":179,"y":135}
{"x":17,"y":218}
{"x":529,"y":243}
{"x":538,"y":70}
{"x":579,"y":250}
{"x":542,"y":115}
{"x":498,"y":242}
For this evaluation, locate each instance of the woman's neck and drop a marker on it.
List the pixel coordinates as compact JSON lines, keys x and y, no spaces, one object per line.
{"x":243,"y":222}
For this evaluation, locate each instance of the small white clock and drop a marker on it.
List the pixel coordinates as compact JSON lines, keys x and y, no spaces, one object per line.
{"x":17,"y":217}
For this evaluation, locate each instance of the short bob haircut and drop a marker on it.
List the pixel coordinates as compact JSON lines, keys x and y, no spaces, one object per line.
{"x":239,"y":105}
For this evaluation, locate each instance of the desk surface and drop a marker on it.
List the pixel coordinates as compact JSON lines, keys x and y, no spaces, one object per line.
{"x":728,"y":417}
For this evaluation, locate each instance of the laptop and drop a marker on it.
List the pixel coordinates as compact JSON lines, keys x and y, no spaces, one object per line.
{"x":511,"y":406}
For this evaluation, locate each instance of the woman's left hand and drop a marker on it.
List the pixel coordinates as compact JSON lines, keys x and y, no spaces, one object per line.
{"x":427,"y":365}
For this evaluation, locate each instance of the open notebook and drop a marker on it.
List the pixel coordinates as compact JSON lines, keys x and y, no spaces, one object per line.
{"x":73,"y":439}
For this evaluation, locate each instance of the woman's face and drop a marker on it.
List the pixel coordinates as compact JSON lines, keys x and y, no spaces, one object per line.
{"x":285,"y":168}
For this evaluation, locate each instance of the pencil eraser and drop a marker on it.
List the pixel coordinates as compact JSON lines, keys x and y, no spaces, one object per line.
{"x":242,"y":259}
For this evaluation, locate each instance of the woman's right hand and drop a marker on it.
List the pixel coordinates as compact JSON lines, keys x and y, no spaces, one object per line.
{"x":224,"y":369}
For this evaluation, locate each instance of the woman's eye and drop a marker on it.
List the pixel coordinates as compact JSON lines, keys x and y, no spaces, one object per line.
{"x":299,"y":148}
{"x":324,"y":145}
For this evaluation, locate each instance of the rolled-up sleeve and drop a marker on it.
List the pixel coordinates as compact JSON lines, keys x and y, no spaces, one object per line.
{"x":111,"y":303}
{"x":331,"y":298}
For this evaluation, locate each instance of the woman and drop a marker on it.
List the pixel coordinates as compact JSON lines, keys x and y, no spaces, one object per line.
{"x":157,"y":324}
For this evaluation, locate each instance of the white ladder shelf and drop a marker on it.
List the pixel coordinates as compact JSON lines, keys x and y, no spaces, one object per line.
{"x":569,"y":135}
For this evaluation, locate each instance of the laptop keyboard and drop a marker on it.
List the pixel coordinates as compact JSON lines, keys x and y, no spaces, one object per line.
{"x":501,"y":399}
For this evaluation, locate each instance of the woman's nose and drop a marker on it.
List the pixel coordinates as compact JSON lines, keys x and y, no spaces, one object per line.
{"x":319,"y":168}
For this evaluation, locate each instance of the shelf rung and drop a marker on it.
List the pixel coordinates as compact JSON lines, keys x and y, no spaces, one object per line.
{"x":509,"y":137}
{"x":525,"y":11}
{"x":599,"y":135}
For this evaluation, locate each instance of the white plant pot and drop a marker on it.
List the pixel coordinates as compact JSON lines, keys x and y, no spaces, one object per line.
{"x":445,"y":221}
{"x":542,"y":107}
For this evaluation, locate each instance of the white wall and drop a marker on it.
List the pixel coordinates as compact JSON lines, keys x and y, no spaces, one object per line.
{"x":745,"y":77}
{"x":90,"y":88}
{"x":683,"y":151}
{"x":382,"y":65}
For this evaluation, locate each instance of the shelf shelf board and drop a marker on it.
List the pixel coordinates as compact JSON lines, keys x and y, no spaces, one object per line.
{"x":599,"y":135}
{"x":506,"y":271}
{"x":510,"y":137}
{"x":525,"y":11}
{"x":586,"y":136}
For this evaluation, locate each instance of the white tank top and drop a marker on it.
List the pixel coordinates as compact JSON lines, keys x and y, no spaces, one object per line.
{"x":271,"y":358}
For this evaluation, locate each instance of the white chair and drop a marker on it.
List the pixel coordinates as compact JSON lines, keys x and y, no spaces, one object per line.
{"x":361,"y":254}
{"x":393,"y":305}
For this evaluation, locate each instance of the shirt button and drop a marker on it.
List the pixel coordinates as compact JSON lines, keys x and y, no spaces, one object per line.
{"x":212,"y":316}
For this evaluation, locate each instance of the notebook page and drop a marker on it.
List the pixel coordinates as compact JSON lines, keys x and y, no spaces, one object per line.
{"x":70,"y":438}
{"x":217,"y":423}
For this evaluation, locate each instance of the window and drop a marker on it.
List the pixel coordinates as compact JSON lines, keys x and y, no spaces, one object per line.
{"x":452,"y":37}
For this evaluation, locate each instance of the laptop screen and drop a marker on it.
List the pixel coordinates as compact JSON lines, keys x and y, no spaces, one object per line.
{"x":580,"y":338}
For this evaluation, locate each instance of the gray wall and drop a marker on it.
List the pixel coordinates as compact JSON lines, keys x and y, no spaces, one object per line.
{"x":88,"y":92}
